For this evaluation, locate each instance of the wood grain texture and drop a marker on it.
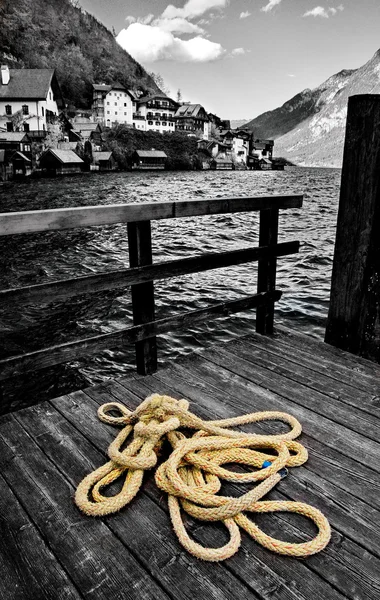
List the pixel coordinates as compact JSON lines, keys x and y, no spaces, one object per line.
{"x":354,"y":316}
{"x":122,"y":278}
{"x":266,"y":273}
{"x":85,"y":216}
{"x":69,"y":351}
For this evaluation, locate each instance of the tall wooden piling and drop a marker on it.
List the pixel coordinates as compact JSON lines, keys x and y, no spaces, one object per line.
{"x":354,"y":315}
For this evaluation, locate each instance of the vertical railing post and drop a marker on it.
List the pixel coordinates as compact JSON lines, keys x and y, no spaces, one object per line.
{"x":354,"y":315}
{"x":266,"y":274}
{"x":140,"y":254}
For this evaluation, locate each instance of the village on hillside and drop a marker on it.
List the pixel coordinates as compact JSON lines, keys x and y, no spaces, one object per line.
{"x":39,"y":136}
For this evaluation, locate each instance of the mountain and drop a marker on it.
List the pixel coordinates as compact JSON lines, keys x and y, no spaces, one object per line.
{"x":40,"y":34}
{"x":309,"y":129}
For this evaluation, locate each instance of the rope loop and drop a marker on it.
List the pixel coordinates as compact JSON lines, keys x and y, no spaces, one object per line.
{"x":193,"y":473}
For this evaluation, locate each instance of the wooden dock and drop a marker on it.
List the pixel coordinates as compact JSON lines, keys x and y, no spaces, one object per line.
{"x":48,"y":549}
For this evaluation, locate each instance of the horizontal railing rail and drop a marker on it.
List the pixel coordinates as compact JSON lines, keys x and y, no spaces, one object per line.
{"x":142,"y":274}
{"x":34,"y":221}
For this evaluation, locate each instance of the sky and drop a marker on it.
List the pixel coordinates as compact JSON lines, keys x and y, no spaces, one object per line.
{"x":240,"y":58}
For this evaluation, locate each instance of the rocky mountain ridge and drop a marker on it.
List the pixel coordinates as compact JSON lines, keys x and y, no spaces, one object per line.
{"x":309,"y":129}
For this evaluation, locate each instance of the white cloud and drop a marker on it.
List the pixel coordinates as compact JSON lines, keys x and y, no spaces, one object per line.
{"x":237,"y":51}
{"x":245,"y":14}
{"x":148,"y":43}
{"x":291,"y":75}
{"x":193,"y":8}
{"x":178,"y":25}
{"x":320,"y":11}
{"x":270,"y":6}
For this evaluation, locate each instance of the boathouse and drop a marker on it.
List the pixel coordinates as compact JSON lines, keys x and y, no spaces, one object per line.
{"x":149,"y":159}
{"x":61,"y":162}
{"x":103,"y":161}
{"x":222,"y":163}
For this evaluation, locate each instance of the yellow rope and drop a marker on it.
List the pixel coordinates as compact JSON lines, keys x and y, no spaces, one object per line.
{"x":193,"y":472}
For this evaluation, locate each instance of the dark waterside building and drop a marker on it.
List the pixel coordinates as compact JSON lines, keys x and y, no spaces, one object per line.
{"x":149,"y":159}
{"x":61,"y":162}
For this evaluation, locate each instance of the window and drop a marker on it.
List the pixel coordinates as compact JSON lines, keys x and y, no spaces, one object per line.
{"x":108,"y":103}
{"x":8,"y":109}
{"x":150,"y":122}
{"x":43,"y":111}
{"x":43,"y":126}
{"x":9,"y":126}
{"x":115,"y":112}
{"x":108,"y":112}
{"x":49,"y":95}
{"x":164,"y":124}
{"x":125,"y":104}
{"x":27,"y":147}
{"x":26,"y":128}
{"x":115,"y":103}
{"x":125,"y":114}
{"x":157,"y":122}
{"x":25,"y":109}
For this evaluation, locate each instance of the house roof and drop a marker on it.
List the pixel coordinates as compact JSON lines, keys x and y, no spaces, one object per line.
{"x":64,"y":156}
{"x":21,"y":155}
{"x":151,"y":154}
{"x":85,"y":126}
{"x":154,"y":96}
{"x":97,"y":156}
{"x":31,"y":84}
{"x":13,"y":136}
{"x":191,"y":110}
{"x":266,"y":160}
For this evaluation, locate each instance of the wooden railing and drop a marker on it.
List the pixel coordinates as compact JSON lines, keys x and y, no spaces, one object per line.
{"x":142,"y":273}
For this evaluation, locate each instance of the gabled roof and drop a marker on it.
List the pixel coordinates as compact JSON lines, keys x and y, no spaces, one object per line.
{"x":156,"y":96}
{"x":64,"y":156}
{"x":97,"y":156}
{"x":85,"y":126}
{"x":151,"y":154}
{"x":20,"y":155}
{"x":31,"y":84}
{"x":192,"y":110}
{"x":14,"y":136}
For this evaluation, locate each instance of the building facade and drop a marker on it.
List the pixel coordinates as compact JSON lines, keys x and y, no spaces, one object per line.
{"x":193,"y":119}
{"x":157,"y":112}
{"x":30,"y":99}
{"x":113,"y":104}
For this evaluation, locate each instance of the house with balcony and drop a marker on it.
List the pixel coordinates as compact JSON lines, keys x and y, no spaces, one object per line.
{"x":30,"y":99}
{"x":113,"y":104}
{"x":156,"y":112}
{"x":193,"y":119}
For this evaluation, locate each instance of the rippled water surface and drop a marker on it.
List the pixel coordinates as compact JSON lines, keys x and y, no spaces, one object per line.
{"x":304,"y":278}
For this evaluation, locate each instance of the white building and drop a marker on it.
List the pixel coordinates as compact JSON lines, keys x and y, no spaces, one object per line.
{"x":113,"y":104}
{"x":157,"y":112}
{"x":29,"y":99}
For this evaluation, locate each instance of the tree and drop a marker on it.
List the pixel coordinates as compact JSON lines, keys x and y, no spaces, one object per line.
{"x":179,"y":96}
{"x":159,"y":81}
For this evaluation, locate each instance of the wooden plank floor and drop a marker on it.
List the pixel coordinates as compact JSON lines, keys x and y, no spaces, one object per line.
{"x":48,"y":549}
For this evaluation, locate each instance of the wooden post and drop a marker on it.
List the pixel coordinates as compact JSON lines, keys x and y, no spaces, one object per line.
{"x":140,"y":254}
{"x":266,"y":274}
{"x":354,"y":316}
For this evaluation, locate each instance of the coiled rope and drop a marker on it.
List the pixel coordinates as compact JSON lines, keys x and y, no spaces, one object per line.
{"x":192,"y":474}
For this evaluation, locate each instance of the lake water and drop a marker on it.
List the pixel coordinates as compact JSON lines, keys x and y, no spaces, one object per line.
{"x":303,"y":278}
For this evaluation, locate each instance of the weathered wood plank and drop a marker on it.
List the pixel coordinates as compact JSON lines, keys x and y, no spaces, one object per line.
{"x":28,"y":568}
{"x":69,"y":351}
{"x":121,"y":278}
{"x":340,"y":428}
{"x":140,"y":254}
{"x":143,"y":527}
{"x":266,"y":273}
{"x":99,"y":564}
{"x":85,"y":216}
{"x":312,"y":357}
{"x":353,"y":322}
{"x":357,"y":364}
{"x":288,"y":363}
